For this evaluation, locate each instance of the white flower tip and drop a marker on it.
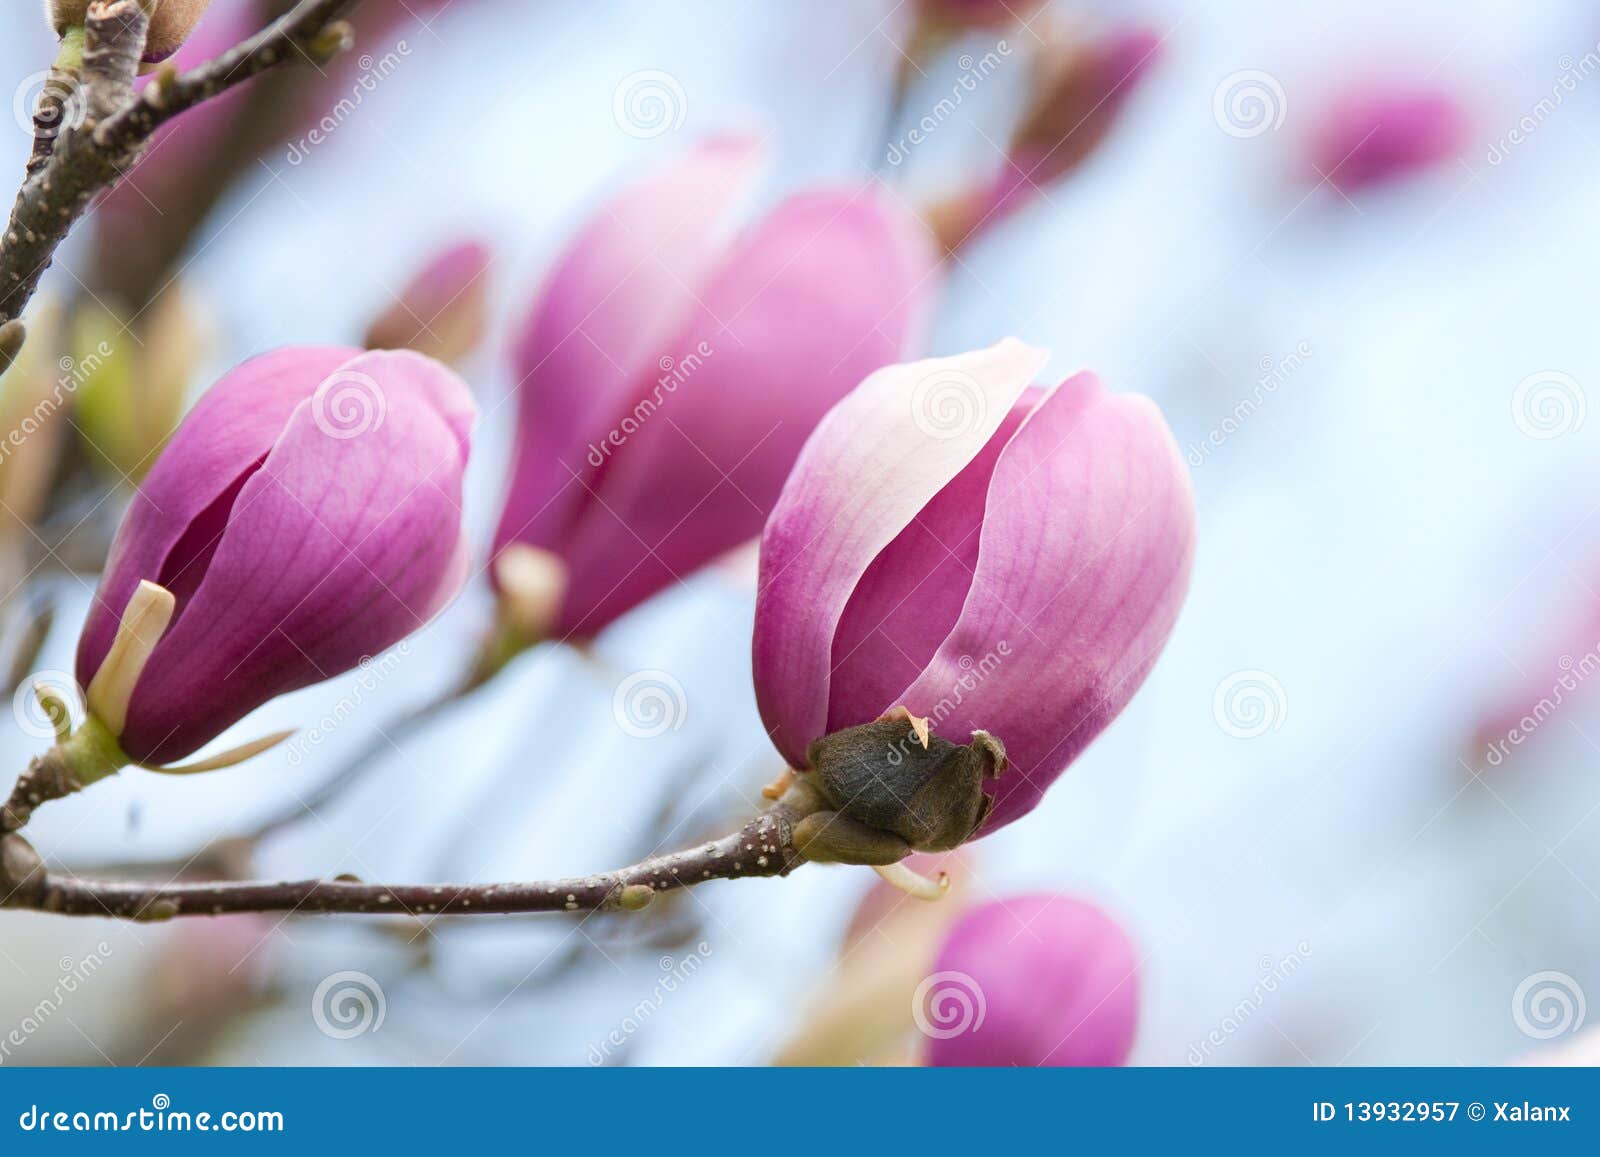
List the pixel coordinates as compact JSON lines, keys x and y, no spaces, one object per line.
{"x":914,"y":883}
{"x":144,"y":621}
{"x":228,"y":758}
{"x":532,"y":584}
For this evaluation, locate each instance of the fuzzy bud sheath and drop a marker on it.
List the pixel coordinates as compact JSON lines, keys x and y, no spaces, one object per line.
{"x":171,"y":22}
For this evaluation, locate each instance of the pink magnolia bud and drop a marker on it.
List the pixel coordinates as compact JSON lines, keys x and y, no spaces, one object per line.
{"x":171,"y":21}
{"x":1380,"y":132}
{"x":667,"y":374}
{"x":1078,"y":95}
{"x":1031,"y":980}
{"x":306,"y":514}
{"x":443,"y":311}
{"x":1005,"y":561}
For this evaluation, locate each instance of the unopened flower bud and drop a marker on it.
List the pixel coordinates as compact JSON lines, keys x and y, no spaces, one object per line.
{"x":171,"y":21}
{"x":443,"y":311}
{"x":1044,"y":979}
{"x":874,"y":591}
{"x":306,"y":515}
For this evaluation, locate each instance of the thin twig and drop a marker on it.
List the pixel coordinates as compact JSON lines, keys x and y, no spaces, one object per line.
{"x":762,"y":847}
{"x":110,"y":130}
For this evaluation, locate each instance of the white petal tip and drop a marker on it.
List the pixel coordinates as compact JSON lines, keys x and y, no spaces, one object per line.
{"x":914,"y":883}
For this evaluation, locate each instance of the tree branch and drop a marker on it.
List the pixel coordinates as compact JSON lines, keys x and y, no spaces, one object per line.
{"x":762,"y":847}
{"x":312,"y":31}
{"x":89,"y":157}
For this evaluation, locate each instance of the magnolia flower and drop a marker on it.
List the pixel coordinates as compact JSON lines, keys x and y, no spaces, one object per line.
{"x":171,"y":21}
{"x":305,"y":515}
{"x":961,"y":559}
{"x":443,"y":311}
{"x":1032,"y":980}
{"x":1370,"y":135}
{"x":668,"y":376}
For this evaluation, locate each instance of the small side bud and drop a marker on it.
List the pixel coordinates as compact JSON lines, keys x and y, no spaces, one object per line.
{"x":171,"y":22}
{"x":331,"y":41}
{"x":12,"y":335}
{"x":636,"y":897}
{"x":21,"y":870}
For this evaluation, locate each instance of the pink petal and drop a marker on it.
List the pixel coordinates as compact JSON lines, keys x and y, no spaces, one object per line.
{"x":226,"y":435}
{"x":338,"y":547}
{"x":913,"y":592}
{"x":826,"y":289}
{"x":623,"y":289}
{"x":1084,"y":561}
{"x":876,"y":460}
{"x":1032,"y":980}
